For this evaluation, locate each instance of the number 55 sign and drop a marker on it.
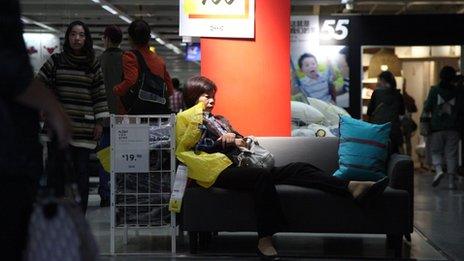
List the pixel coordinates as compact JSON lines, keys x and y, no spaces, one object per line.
{"x":334,"y":29}
{"x":217,"y":18}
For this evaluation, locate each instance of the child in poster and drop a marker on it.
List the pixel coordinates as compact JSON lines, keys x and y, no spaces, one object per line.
{"x":316,"y":84}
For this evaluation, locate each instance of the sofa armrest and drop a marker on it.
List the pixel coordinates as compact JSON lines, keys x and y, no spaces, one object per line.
{"x":401,"y":173}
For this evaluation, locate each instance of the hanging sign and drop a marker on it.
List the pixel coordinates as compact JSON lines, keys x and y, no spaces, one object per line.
{"x":217,"y":18}
{"x":131,"y":148}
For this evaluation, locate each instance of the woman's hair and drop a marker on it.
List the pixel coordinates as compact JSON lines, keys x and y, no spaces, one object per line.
{"x":139,"y":32}
{"x":389,"y":78}
{"x":447,"y":74}
{"x":87,"y":49}
{"x":304,"y":56}
{"x":195,"y":87}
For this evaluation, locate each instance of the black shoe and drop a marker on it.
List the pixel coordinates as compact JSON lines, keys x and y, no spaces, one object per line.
{"x":104,"y":203}
{"x":371,"y":194}
{"x":266,"y":257}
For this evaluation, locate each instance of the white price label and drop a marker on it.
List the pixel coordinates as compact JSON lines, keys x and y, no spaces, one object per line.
{"x":131,"y":148}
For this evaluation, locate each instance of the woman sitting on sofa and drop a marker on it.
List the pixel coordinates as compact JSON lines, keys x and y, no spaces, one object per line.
{"x":211,"y":165}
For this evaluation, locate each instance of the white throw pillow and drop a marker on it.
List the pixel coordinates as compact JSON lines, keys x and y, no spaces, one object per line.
{"x":306,"y":113}
{"x":330,"y":111}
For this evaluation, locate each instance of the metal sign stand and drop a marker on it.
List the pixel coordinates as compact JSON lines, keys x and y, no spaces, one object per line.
{"x":142,"y":157}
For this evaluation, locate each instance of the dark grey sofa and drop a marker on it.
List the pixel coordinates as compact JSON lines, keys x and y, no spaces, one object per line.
{"x":214,"y":209}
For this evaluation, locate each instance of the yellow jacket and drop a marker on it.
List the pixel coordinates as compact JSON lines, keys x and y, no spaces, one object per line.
{"x":203,"y":167}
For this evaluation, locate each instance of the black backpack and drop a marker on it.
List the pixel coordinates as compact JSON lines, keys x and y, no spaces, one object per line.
{"x":149,"y":94}
{"x":387,"y":109}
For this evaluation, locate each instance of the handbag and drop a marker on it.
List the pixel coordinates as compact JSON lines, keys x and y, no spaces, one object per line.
{"x":58,"y":229}
{"x":255,"y":156}
{"x":425,"y":127}
{"x":149,"y":95}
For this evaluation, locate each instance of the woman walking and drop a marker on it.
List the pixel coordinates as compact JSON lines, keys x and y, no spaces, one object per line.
{"x":75,"y":77}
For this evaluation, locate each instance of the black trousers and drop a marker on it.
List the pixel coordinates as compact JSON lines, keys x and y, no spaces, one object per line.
{"x":261,"y":183}
{"x":80,"y":160}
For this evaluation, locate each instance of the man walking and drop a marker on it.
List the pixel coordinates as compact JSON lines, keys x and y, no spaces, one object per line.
{"x":111,"y":64}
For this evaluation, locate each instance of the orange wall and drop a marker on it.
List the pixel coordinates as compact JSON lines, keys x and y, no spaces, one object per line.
{"x":253,"y":76}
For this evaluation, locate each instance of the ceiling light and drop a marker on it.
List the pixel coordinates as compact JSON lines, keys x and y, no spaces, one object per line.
{"x":25,"y":20}
{"x":39,"y":24}
{"x":109,"y":9}
{"x":96,"y":1}
{"x":385,"y":59}
{"x":170,"y":46}
{"x":159,"y":40}
{"x":125,"y":19}
{"x":153,"y":35}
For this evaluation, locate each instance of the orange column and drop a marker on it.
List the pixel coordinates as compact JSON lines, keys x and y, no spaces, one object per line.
{"x":253,"y":76}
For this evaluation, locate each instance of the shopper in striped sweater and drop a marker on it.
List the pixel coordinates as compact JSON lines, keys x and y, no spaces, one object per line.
{"x":76,"y":79}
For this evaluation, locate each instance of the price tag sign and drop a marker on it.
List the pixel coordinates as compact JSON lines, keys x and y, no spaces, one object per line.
{"x":217,"y":18}
{"x":131,"y":148}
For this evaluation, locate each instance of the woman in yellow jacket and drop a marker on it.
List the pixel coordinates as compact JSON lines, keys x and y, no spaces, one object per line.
{"x":213,"y":167}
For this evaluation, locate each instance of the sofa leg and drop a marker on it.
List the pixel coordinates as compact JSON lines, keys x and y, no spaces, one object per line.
{"x":204,"y":240}
{"x":193,"y":242}
{"x":395,"y":242}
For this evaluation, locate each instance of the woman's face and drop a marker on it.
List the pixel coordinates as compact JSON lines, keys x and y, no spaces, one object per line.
{"x":77,"y":38}
{"x":309,"y":66}
{"x":208,"y":99}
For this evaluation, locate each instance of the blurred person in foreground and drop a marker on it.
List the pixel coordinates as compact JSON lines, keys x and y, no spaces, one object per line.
{"x":20,"y":152}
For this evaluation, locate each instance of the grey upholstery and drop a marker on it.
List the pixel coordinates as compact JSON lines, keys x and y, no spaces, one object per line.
{"x":307,"y":210}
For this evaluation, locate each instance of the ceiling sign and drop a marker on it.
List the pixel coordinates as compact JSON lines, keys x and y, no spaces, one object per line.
{"x":217,"y":18}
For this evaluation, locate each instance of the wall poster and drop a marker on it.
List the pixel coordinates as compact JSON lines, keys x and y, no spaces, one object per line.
{"x":40,"y":46}
{"x":319,"y":75}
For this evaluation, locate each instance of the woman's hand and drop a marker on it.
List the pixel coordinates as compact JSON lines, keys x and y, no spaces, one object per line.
{"x":204,"y":100}
{"x":227,"y":138}
{"x":97,"y":132}
{"x":241,"y":143}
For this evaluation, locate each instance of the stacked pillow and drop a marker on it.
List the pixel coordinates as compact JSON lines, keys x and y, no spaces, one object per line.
{"x":363,"y":150}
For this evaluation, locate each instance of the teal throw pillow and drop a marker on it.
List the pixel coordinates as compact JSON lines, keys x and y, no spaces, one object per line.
{"x":363,"y":150}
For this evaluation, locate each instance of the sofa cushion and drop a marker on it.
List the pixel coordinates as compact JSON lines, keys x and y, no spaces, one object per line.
{"x":363,"y":149}
{"x":320,"y":152}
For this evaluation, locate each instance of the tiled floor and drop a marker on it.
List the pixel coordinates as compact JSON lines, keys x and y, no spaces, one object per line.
{"x":439,"y":215}
{"x":439,"y":235}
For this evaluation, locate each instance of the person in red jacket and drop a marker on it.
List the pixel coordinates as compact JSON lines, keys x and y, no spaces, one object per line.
{"x":139,"y":37}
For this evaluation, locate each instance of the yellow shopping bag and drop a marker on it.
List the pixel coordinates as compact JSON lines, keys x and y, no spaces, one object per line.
{"x":105,"y":158}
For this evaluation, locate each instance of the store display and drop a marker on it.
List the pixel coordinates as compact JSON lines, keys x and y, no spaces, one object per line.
{"x":141,"y":199}
{"x":318,"y":71}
